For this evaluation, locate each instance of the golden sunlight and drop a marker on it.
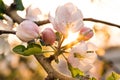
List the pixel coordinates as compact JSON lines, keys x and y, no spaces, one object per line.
{"x":71,"y":37}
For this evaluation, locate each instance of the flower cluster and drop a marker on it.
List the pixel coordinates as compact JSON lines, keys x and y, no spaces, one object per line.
{"x":67,"y":18}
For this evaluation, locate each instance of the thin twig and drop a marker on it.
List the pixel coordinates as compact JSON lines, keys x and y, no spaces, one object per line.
{"x":101,"y":21}
{"x":42,"y":22}
{"x":7,"y":32}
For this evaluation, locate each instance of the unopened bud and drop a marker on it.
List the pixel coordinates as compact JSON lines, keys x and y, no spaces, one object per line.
{"x":27,"y":30}
{"x":48,"y":36}
{"x":87,"y":33}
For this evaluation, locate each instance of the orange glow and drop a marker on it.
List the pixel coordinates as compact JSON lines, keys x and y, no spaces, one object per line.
{"x":71,"y":37}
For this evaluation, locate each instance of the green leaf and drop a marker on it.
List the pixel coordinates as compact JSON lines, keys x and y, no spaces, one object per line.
{"x":19,"y":49}
{"x":75,"y":71}
{"x":31,"y":49}
{"x":19,"y":5}
{"x":2,"y":7}
{"x":113,"y":76}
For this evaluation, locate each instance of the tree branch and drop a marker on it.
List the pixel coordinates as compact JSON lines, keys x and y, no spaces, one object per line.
{"x":101,"y":21}
{"x":52,"y":73}
{"x":13,"y":14}
{"x":42,"y":22}
{"x":7,"y":32}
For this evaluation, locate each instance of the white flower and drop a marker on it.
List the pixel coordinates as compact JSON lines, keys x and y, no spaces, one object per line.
{"x":32,"y":13}
{"x":67,"y":17}
{"x":82,"y":56}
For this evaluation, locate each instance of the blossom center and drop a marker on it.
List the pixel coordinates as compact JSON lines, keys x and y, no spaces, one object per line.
{"x":77,"y":55}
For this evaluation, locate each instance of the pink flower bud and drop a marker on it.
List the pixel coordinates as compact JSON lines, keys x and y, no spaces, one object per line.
{"x":48,"y":36}
{"x":27,"y":30}
{"x":87,"y":33}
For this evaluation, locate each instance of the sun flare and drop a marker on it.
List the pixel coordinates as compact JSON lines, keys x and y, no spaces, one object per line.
{"x":71,"y":37}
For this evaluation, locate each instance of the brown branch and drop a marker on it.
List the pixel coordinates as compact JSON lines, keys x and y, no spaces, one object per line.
{"x":42,"y":22}
{"x":52,"y":73}
{"x":7,"y":32}
{"x":101,"y":21}
{"x":13,"y":14}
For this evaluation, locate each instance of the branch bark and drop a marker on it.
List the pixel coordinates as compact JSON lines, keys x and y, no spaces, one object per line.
{"x":52,"y":73}
{"x":7,"y":32}
{"x":101,"y":21}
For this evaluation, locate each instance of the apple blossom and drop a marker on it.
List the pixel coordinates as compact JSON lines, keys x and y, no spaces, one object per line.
{"x":27,"y":30}
{"x":48,"y":36}
{"x":82,"y":56}
{"x":67,"y":17}
{"x":32,"y":13}
{"x":86,"y":32}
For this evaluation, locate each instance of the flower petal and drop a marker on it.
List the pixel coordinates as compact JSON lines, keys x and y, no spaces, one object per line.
{"x":80,"y":48}
{"x":32,"y":13}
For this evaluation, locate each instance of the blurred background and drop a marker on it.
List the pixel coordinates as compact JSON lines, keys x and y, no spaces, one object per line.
{"x":106,"y":38}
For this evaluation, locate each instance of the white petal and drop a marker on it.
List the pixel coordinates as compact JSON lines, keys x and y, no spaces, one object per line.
{"x":80,"y":48}
{"x":90,"y":57}
{"x":32,"y":13}
{"x":77,"y":26}
{"x":77,"y":15}
{"x":91,"y":46}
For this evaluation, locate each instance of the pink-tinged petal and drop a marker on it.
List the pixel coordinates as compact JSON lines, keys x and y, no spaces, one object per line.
{"x":27,"y":30}
{"x":68,"y":13}
{"x":80,"y":48}
{"x":77,"y":26}
{"x":80,"y":64}
{"x":85,"y":67}
{"x":73,"y":61}
{"x":48,"y":36}
{"x":91,"y":46}
{"x":62,"y":14}
{"x":90,"y":57}
{"x":60,"y":27}
{"x":32,"y":13}
{"x":77,"y":15}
